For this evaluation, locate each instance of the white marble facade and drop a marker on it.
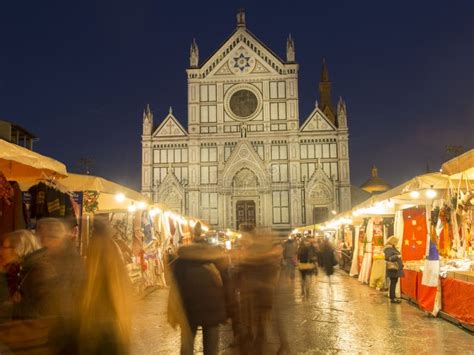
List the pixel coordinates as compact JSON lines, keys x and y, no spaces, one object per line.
{"x":244,"y":156}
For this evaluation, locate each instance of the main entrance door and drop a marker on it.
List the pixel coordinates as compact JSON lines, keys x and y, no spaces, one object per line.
{"x":245,"y":212}
{"x":320,"y":215}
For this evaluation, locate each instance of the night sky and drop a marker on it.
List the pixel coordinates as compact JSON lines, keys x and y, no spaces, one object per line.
{"x":78,"y":74}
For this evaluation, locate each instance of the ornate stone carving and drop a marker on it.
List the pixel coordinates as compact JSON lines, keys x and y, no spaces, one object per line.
{"x":244,"y":153}
{"x":320,"y":195}
{"x":242,"y":61}
{"x":170,"y":128}
{"x":245,"y":179}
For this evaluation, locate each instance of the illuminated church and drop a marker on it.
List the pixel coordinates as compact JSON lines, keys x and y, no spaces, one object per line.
{"x":244,"y":156}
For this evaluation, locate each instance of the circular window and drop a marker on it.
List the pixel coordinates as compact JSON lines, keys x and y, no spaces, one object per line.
{"x":243,"y":103}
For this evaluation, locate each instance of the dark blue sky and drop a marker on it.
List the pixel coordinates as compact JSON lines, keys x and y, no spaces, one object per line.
{"x":78,"y":74}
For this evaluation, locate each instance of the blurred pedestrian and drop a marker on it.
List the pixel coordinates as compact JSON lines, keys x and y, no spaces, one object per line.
{"x":306,"y":265}
{"x":394,"y":266}
{"x":290,"y":248}
{"x":106,"y":305}
{"x":31,"y":277}
{"x":260,"y":265}
{"x":328,"y":258}
{"x":56,"y":237}
{"x":197,"y":295}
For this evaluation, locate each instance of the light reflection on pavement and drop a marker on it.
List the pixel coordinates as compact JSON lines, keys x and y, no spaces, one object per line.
{"x":342,"y":316}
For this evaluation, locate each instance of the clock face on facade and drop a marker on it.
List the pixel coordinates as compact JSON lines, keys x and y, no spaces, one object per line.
{"x":243,"y":103}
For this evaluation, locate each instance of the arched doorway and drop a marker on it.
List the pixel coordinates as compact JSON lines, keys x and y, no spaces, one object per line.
{"x":245,"y":191}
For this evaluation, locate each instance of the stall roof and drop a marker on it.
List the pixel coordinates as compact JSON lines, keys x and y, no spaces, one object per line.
{"x":79,"y":182}
{"x":422,"y":182}
{"x":20,"y":164}
{"x":461,"y":166}
{"x":108,"y":191}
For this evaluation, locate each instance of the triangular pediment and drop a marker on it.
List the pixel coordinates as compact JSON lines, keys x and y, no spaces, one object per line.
{"x":316,"y":122}
{"x":170,"y":182}
{"x":170,"y":127}
{"x":319,"y":177}
{"x":242,"y":53}
{"x":171,"y":193}
{"x":245,"y":156}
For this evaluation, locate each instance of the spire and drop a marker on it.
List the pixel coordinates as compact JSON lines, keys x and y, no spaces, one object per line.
{"x":375,"y":171}
{"x":170,"y":110}
{"x":194,"y":54}
{"x":147,"y":120}
{"x":324,"y":72}
{"x":290,"y":49}
{"x":325,"y":102}
{"x":241,"y":18}
{"x":341,"y":114}
{"x":341,"y":106}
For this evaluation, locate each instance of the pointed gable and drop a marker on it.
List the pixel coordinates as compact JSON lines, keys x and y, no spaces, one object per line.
{"x":170,"y":127}
{"x":317,"y":122}
{"x":244,"y":155}
{"x":242,"y":53}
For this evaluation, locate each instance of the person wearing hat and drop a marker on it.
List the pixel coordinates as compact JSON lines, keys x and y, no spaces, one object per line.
{"x":394,"y":265}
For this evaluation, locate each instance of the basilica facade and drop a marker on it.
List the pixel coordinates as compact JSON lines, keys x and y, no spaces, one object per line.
{"x":245,"y":157}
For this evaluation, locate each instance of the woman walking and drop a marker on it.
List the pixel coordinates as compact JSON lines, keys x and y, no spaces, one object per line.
{"x":394,"y":265}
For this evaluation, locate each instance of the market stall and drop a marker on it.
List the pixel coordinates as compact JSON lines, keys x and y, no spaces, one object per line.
{"x":19,"y":165}
{"x":431,"y":215}
{"x":457,"y":283}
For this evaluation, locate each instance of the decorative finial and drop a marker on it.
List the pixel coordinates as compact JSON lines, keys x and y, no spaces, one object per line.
{"x":241,"y":18}
{"x":147,"y":120}
{"x":290,"y":49}
{"x":171,"y":110}
{"x":194,"y":54}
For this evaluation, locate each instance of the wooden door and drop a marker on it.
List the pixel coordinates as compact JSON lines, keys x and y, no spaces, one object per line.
{"x":320,"y":215}
{"x":245,"y":213}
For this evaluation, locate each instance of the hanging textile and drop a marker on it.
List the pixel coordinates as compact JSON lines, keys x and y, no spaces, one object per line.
{"x":362,"y":238}
{"x":12,"y":209}
{"x":414,"y":234}
{"x":355,"y":255}
{"x":177,"y":236}
{"x":48,"y":201}
{"x":398,"y":229}
{"x":364,"y":275}
{"x":444,"y":231}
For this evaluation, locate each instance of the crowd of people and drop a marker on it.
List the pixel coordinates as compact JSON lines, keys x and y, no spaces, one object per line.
{"x":53,"y":301}
{"x":246,"y":285}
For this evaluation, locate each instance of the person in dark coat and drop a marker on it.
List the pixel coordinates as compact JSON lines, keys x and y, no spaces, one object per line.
{"x":392,"y":255}
{"x":328,"y":259}
{"x":197,"y":295}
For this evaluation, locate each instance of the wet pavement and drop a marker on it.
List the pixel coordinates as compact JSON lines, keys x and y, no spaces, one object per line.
{"x":341,"y":316}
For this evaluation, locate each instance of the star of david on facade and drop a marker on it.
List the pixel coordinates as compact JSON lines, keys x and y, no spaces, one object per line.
{"x":242,"y":62}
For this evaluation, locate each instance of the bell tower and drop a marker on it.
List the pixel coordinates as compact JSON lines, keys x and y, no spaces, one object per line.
{"x":325,"y":102}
